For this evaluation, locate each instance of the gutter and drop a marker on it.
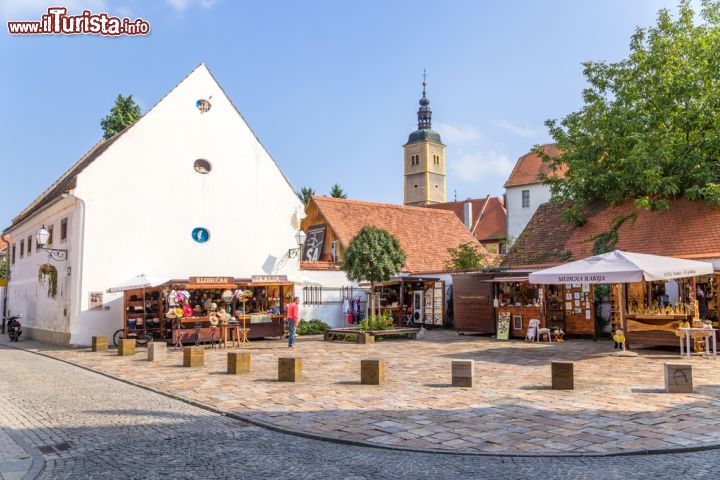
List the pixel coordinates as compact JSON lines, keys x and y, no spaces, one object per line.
{"x":7,"y":287}
{"x":77,"y":264}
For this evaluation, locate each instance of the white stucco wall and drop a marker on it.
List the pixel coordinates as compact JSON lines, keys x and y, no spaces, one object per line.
{"x":44,"y":318}
{"x":330,"y":311}
{"x":517,"y":216}
{"x":142,"y":198}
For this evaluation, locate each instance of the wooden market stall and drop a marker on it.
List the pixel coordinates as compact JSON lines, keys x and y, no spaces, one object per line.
{"x":199,"y":308}
{"x":412,"y":301}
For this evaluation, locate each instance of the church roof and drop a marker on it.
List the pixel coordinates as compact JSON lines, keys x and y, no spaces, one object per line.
{"x":425,"y":135}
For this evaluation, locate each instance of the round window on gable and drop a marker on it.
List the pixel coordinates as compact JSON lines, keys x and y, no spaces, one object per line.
{"x":203,"y":105}
{"x":202,"y":166}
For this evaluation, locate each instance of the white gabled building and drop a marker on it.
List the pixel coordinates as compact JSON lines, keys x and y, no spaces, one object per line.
{"x":131,"y":204}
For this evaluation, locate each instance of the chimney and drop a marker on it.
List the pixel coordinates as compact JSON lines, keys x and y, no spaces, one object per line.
{"x":468,"y":214}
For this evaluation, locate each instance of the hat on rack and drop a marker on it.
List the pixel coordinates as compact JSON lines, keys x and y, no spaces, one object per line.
{"x":178,"y":312}
{"x":187,"y":311}
{"x":171,"y":314}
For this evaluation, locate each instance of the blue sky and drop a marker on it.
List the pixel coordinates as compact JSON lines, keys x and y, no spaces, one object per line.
{"x":330,"y":87}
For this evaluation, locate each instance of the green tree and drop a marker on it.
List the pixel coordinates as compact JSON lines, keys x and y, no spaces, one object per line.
{"x":649,"y":128}
{"x":305,"y":194}
{"x":124,"y":113}
{"x":336,"y":191}
{"x":3,"y":267}
{"x":465,"y":256}
{"x":374,"y":256}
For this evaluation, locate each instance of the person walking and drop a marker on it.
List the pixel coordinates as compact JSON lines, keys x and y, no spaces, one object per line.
{"x":293,"y":318}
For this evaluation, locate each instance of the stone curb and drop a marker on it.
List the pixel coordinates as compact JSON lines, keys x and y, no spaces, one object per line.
{"x":38,"y":461}
{"x":360,"y":443}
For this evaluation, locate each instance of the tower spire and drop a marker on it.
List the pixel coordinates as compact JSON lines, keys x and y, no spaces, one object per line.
{"x":424,"y":112}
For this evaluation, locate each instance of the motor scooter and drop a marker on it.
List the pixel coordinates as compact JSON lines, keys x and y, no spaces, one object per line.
{"x":14,"y":328}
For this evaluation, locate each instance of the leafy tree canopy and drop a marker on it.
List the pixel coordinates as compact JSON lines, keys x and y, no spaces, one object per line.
{"x":649,"y":129}
{"x":124,"y":113}
{"x":465,"y":256}
{"x":374,"y":255}
{"x":336,"y":191}
{"x":305,"y":194}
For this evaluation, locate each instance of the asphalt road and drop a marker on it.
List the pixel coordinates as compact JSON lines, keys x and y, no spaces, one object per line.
{"x":85,"y":425}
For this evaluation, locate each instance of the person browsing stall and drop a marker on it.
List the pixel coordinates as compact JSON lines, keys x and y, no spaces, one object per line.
{"x":293,"y":318}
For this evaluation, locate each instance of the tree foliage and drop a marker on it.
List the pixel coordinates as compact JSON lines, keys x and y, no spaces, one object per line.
{"x":124,"y":113}
{"x":649,"y":129}
{"x":305,"y":194}
{"x":465,"y":256}
{"x":4,"y":267}
{"x":336,"y":191}
{"x":374,"y":255}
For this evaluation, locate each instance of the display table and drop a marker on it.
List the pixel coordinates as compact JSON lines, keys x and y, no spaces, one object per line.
{"x":710,"y":340}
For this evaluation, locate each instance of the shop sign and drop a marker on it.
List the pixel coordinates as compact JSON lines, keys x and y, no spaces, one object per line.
{"x":269,"y":278}
{"x":95,"y":300}
{"x":211,"y":280}
{"x":3,"y":282}
{"x":314,"y":243}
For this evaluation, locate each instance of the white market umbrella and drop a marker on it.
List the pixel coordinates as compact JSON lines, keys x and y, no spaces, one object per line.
{"x":137,"y":282}
{"x":621,"y":267}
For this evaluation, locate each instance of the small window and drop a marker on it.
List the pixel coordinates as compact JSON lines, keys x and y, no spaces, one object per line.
{"x":13,"y":254}
{"x":503,"y":249}
{"x":63,"y":230}
{"x":202,"y":166}
{"x":22,"y":248}
{"x":203,"y":105}
{"x":525,"y":198}
{"x":29,"y":244}
{"x":50,"y":238}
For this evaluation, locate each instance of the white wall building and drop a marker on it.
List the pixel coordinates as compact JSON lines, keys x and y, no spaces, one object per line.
{"x":130,"y":205}
{"x":524,"y":190}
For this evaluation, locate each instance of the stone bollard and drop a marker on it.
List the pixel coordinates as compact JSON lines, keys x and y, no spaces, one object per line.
{"x":156,"y":351}
{"x":126,"y":347}
{"x":193,"y":357}
{"x":563,"y":376}
{"x":100,"y":344}
{"x":290,"y":369}
{"x":366,"y":338}
{"x":678,"y":378}
{"x":463,"y":373}
{"x":372,"y":371}
{"x":238,"y":362}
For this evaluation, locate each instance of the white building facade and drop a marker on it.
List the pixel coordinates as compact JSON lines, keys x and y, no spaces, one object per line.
{"x":131,"y":205}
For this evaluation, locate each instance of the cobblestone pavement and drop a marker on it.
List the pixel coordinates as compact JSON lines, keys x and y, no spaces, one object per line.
{"x":618,"y":403}
{"x":91,"y":426}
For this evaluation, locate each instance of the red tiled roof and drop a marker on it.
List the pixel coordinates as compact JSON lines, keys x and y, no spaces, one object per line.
{"x":686,"y":229}
{"x":493,"y":223}
{"x":424,"y":234}
{"x":528,"y":168}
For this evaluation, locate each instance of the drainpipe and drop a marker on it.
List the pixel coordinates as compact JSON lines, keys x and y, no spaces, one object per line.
{"x":77,"y":268}
{"x":5,"y":308}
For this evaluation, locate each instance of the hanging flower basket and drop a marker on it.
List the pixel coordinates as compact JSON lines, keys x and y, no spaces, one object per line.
{"x":49,"y":272}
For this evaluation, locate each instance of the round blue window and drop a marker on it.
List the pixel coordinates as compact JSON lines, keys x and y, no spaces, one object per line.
{"x":200,"y":235}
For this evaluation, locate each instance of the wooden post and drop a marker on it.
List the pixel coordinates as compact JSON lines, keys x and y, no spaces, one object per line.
{"x":372,"y":371}
{"x":126,"y":347}
{"x":290,"y":369}
{"x":563,"y":377}
{"x":193,"y":357}
{"x":156,"y":351}
{"x":238,"y":362}
{"x":463,"y":373}
{"x":99,"y":344}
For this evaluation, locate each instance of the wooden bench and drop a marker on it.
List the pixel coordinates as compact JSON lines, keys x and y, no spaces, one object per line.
{"x":369,"y":335}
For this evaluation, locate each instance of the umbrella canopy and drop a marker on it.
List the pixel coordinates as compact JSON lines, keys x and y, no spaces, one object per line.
{"x":621,"y":267}
{"x":139,"y":281}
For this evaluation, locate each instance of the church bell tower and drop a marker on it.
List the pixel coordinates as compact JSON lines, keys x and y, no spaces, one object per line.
{"x":424,"y":160}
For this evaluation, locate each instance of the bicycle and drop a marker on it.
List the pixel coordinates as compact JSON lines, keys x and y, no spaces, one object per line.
{"x":141,"y":338}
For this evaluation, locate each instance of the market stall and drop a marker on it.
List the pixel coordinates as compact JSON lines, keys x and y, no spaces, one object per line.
{"x":652,"y":295}
{"x":517,"y":302}
{"x":412,"y":300}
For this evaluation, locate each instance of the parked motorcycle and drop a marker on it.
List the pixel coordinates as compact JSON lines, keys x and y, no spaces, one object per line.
{"x":14,"y":328}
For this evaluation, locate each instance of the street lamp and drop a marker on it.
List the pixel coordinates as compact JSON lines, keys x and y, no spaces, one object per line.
{"x":41,"y":239}
{"x":300,"y":240}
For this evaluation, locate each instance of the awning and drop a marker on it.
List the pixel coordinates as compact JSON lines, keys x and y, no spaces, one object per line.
{"x":137,"y":282}
{"x":521,"y":279}
{"x":621,"y":267}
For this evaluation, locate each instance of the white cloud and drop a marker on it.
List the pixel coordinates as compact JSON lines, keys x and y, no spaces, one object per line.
{"x":525,"y":132}
{"x":20,"y":9}
{"x":473,"y":166}
{"x":459,"y":133}
{"x":182,"y":5}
